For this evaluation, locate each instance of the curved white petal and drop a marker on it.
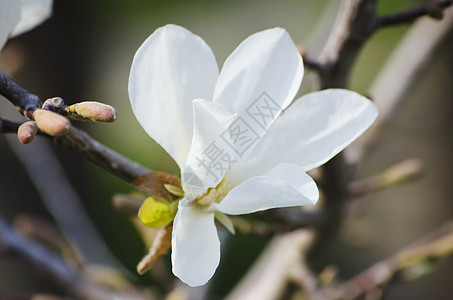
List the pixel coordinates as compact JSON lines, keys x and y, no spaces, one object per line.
{"x":211,"y":154}
{"x":310,"y":132}
{"x":170,"y":69}
{"x":9,"y":16}
{"x":33,"y":13}
{"x":195,"y":245}
{"x":285,"y":186}
{"x":260,"y":78}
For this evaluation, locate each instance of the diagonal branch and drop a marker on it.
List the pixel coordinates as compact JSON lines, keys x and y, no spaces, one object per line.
{"x":17,"y":95}
{"x":75,"y":139}
{"x":79,"y":141}
{"x":101,"y":155}
{"x":50,"y":264}
{"x":437,"y":244}
{"x":433,"y":9}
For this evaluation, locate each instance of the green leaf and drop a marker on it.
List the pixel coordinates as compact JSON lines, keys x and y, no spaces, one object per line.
{"x":157,"y":212}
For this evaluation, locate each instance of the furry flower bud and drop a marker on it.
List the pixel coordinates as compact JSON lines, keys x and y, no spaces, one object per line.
{"x":94,"y":111}
{"x":27,"y":132}
{"x":51,"y":123}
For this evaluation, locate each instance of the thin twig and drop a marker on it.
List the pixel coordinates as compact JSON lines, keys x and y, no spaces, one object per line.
{"x":91,"y":149}
{"x":437,"y":244}
{"x":433,"y":9}
{"x":62,"y":201}
{"x":50,"y":264}
{"x":101,"y":155}
{"x":405,"y":65}
{"x":311,"y":63}
{"x":268,"y":277}
{"x":75,"y":139}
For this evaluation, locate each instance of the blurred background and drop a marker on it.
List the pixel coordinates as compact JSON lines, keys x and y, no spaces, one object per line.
{"x":84,"y":52}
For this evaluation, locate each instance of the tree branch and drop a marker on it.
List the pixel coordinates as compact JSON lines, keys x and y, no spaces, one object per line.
{"x":75,"y":139}
{"x":81,"y":142}
{"x":51,"y":185}
{"x":356,"y":23}
{"x":351,"y":30}
{"x":353,"y":27}
{"x":50,"y":264}
{"x":7,"y":126}
{"x":101,"y":155}
{"x":18,"y":96}
{"x":436,"y":245}
{"x":433,"y":9}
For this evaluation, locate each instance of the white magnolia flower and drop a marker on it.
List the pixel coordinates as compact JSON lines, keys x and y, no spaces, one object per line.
{"x":19,"y":16}
{"x":241,"y":148}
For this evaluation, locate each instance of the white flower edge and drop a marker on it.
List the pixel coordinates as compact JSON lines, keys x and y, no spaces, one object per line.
{"x":173,"y":67}
{"x":19,"y":16}
{"x":170,"y":69}
{"x":195,"y":243}
{"x":337,"y":118}
{"x":292,"y":144}
{"x":310,"y":132}
{"x":33,"y":13}
{"x":9,"y":17}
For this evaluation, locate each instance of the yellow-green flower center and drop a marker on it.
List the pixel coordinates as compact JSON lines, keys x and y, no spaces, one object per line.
{"x":214,"y":195}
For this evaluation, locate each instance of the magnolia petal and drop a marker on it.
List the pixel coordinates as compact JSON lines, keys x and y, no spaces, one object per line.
{"x":261,"y":77}
{"x":310,"y":132}
{"x":33,"y":13}
{"x":225,"y":221}
{"x":210,"y":154}
{"x":170,"y":69}
{"x":9,"y":17}
{"x":195,"y":245}
{"x":285,"y":186}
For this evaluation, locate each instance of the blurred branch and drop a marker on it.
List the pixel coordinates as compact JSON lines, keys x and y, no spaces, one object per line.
{"x":268,"y":277}
{"x":403,"y":172}
{"x":351,"y":30}
{"x":399,"y":72}
{"x":433,"y":9}
{"x":7,"y":126}
{"x":355,"y":24}
{"x":437,"y":244}
{"x":53,"y":185}
{"x":50,"y":264}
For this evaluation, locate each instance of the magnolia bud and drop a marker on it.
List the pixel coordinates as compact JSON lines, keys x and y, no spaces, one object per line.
{"x":26,"y":132}
{"x":53,"y":104}
{"x":51,"y":123}
{"x":94,"y":111}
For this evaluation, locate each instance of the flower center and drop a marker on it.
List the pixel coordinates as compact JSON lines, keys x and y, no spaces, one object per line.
{"x":214,"y":195}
